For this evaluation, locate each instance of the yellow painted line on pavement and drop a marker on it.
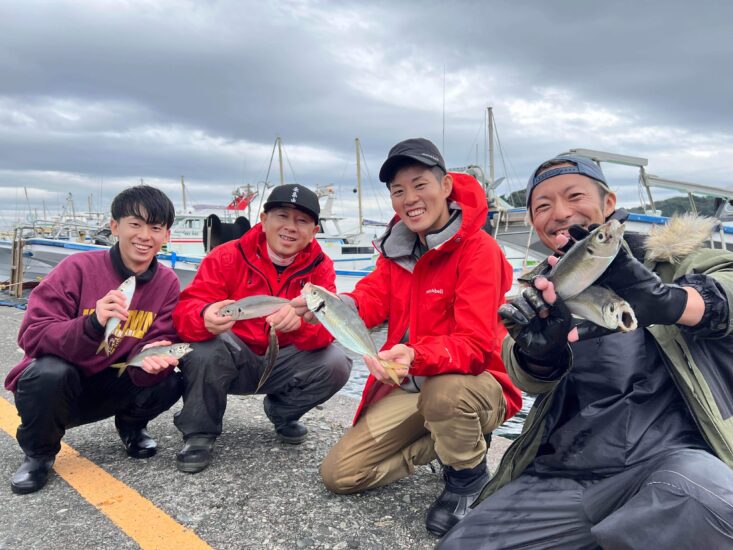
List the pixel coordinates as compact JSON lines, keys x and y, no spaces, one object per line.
{"x":135,"y":515}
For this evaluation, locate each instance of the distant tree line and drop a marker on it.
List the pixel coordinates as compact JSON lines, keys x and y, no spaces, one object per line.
{"x":676,"y":205}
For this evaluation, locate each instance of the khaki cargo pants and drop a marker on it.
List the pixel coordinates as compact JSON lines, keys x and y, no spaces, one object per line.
{"x":446,"y":420}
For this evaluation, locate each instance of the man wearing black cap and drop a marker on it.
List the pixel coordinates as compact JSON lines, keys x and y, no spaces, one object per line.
{"x":437,"y":275}
{"x":630,"y":440}
{"x":277,"y":257}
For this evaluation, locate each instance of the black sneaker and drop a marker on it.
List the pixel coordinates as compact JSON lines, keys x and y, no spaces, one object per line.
{"x":462,"y":488}
{"x":32,"y":474}
{"x":195,"y":454}
{"x":292,"y":432}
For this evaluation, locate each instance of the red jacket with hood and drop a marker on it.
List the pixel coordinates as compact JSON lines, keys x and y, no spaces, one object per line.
{"x":242,"y":268}
{"x":449,"y":299}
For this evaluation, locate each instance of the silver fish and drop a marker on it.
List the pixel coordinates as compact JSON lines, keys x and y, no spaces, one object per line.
{"x":344,"y":323}
{"x":252,"y":307}
{"x":174,"y":350}
{"x":586,"y":260}
{"x":603,"y":307}
{"x":128,"y":289}
{"x":273,"y":348}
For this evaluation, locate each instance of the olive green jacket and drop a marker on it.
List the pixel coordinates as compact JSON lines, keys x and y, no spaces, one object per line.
{"x":702,"y":368}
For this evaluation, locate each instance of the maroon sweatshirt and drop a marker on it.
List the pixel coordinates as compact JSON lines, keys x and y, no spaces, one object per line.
{"x":60,"y":321}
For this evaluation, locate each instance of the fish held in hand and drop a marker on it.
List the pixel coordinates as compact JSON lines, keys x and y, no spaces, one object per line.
{"x":586,"y":260}
{"x":109,"y":342}
{"x":253,"y":307}
{"x":174,"y":350}
{"x":344,"y":324}
{"x":603,"y":307}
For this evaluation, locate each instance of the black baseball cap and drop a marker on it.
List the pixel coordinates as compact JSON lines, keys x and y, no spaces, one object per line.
{"x":294,"y":195}
{"x":422,"y":150}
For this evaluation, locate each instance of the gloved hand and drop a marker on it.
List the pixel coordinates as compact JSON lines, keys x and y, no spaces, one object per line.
{"x":653,"y":302}
{"x":539,"y":329}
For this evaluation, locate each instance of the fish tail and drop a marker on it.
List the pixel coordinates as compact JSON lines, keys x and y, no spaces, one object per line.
{"x":103,"y":346}
{"x":121,"y":366}
{"x":390,"y":368}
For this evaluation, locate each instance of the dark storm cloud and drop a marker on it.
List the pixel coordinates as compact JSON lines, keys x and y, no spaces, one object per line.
{"x":125,"y":90}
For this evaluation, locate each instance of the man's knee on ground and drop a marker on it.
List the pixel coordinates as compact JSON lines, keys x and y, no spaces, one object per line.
{"x":337,"y":478}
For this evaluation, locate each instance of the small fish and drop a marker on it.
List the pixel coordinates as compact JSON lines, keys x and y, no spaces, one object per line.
{"x":586,"y":260}
{"x":344,"y":323}
{"x":603,"y":307}
{"x":252,"y":307}
{"x":273,"y":348}
{"x":174,"y":350}
{"x":108,"y":343}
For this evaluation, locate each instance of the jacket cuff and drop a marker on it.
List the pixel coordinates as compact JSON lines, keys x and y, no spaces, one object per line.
{"x":92,"y":328}
{"x":714,"y":320}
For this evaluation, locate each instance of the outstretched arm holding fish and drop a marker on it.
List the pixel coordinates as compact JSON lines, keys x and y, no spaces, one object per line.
{"x":653,"y":301}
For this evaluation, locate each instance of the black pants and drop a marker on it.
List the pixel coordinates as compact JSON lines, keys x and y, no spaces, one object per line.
{"x":682,"y":499}
{"x":225,"y":365}
{"x":52,"y":396}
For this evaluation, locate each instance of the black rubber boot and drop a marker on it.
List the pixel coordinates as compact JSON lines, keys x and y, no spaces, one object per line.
{"x":32,"y":474}
{"x":137,"y":440}
{"x":195,"y":454}
{"x":293,"y":432}
{"x":462,"y":488}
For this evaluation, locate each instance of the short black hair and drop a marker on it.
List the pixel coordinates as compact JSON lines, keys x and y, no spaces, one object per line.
{"x":410,"y":163}
{"x":155,"y":204}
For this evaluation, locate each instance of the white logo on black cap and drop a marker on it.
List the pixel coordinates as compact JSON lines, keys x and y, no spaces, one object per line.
{"x":430,"y":156}
{"x":294,"y":196}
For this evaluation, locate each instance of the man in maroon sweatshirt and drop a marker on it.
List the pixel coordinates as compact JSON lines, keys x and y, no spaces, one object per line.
{"x":64,"y":380}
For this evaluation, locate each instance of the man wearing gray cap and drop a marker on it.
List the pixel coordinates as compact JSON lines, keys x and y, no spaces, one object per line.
{"x":630,"y":441}
{"x":437,"y":274}
{"x":277,"y":257}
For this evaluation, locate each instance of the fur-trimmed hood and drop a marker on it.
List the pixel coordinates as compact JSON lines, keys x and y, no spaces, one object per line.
{"x":680,"y":236}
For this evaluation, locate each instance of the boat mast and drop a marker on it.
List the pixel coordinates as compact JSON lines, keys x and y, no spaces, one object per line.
{"x":183,"y":192}
{"x":358,"y":182}
{"x":491,"y":146}
{"x":280,"y":159}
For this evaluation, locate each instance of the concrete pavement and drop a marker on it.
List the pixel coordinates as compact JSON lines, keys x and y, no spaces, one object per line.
{"x":257,"y":493}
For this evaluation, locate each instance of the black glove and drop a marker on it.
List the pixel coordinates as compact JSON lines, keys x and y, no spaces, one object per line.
{"x":539,"y":329}
{"x":653,"y":302}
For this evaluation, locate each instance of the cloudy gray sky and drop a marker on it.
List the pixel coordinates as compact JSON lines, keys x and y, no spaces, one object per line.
{"x":97,"y":94}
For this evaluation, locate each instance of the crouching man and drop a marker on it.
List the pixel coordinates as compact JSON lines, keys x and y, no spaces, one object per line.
{"x":65,"y":378}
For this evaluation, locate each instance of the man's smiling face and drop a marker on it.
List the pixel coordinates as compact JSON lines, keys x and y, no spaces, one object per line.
{"x":565,"y":200}
{"x":288,"y":230}
{"x":139,"y":241}
{"x":420,"y":199}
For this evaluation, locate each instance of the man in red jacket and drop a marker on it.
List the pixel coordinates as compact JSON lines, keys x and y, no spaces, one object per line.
{"x":438,"y":283}
{"x":277,"y":257}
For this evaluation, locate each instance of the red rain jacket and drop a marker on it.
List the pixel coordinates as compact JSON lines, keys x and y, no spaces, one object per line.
{"x":242,"y":268}
{"x":449,"y":302}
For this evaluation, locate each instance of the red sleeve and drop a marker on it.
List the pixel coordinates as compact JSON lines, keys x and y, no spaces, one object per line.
{"x":310,"y":336}
{"x":208,"y":286}
{"x":371,"y":295}
{"x":484,"y":277}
